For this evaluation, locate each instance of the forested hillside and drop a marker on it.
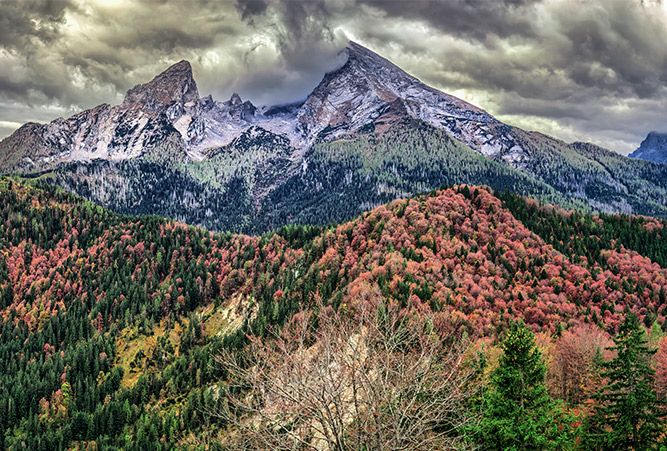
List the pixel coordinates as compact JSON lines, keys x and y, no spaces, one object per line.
{"x":254,"y":186}
{"x":239,"y":190}
{"x":120,"y":332}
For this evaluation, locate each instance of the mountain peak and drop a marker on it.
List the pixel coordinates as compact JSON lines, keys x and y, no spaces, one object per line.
{"x":654,"y":135}
{"x":179,"y":71}
{"x":361,"y":90}
{"x":373,"y":65}
{"x":175,"y":84}
{"x":358,"y":51}
{"x":181,"y":65}
{"x":236,"y":99}
{"x":653,"y":148}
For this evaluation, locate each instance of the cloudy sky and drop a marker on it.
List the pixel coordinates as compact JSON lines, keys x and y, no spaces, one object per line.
{"x":577,"y":70}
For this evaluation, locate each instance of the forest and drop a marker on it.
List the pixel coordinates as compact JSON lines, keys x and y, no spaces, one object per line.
{"x":461,"y":318}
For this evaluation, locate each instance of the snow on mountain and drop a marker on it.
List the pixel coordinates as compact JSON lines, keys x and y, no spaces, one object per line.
{"x":365,"y":89}
{"x":366,"y":84}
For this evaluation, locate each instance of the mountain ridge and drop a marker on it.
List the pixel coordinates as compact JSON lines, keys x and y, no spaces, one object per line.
{"x":232,"y":165}
{"x":345,"y":100}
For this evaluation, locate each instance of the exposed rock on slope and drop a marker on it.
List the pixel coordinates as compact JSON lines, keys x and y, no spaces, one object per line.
{"x":367,"y":85}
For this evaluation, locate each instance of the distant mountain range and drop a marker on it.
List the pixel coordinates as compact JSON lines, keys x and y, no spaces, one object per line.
{"x":368,"y":133}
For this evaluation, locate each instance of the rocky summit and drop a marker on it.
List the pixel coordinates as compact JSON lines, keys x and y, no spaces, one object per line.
{"x":653,"y":148}
{"x":367,"y":133}
{"x":366,"y":89}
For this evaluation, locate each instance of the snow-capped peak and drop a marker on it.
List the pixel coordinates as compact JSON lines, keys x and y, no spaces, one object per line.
{"x":359,"y":91}
{"x":362,"y":91}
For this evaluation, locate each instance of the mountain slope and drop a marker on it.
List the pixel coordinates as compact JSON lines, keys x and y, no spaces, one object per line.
{"x":109,"y":324}
{"x":114,"y":133}
{"x":369,"y":88}
{"x":238,"y":167}
{"x":256,"y":187}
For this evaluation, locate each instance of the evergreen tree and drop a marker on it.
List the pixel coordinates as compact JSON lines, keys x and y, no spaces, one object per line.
{"x":628,"y":414}
{"x":519,"y":414}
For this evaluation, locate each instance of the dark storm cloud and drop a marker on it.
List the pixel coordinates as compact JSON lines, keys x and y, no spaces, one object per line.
{"x":23,"y":23}
{"x":625,"y":40}
{"x":579,"y":70}
{"x":25,"y":28}
{"x":576,"y":68}
{"x":250,"y":8}
{"x":305,"y":44}
{"x":473,"y":19}
{"x":615,"y":45}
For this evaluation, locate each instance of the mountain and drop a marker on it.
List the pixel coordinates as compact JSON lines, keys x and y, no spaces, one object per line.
{"x":366,"y":89}
{"x":367,"y":134}
{"x":369,"y":89}
{"x":105,"y":132}
{"x":653,"y":148}
{"x":109,"y":325}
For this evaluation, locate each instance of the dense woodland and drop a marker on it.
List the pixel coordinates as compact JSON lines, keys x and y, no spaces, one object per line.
{"x":121,"y":332}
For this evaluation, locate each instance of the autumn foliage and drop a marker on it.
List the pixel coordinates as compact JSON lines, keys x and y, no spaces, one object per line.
{"x":73,"y":276}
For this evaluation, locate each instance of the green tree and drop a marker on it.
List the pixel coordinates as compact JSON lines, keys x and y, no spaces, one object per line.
{"x":518,"y":412}
{"x":628,"y":414}
{"x":80,"y":425}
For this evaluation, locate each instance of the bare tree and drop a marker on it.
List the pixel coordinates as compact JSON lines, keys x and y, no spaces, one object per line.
{"x":378,"y":379}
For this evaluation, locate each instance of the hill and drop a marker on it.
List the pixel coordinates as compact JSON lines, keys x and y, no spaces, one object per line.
{"x":109,"y":324}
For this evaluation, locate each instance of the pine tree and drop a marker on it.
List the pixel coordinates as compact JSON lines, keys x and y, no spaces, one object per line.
{"x":628,"y":414}
{"x":519,"y":414}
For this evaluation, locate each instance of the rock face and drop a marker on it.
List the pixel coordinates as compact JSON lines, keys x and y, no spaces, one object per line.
{"x":367,"y":88}
{"x":653,"y":148}
{"x":149,"y":115}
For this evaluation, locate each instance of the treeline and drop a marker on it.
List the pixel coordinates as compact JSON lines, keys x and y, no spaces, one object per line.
{"x":140,"y":187}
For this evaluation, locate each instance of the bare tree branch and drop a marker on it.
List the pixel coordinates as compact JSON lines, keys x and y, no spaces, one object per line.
{"x":378,"y":379}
